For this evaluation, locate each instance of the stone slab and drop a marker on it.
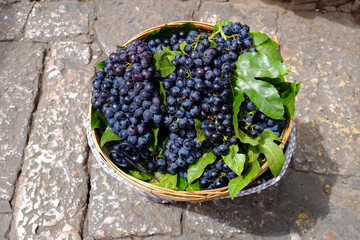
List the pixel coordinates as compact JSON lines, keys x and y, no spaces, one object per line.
{"x":136,"y":16}
{"x":52,"y":194}
{"x":5,"y":220}
{"x":58,"y":20}
{"x":117,"y":211}
{"x":17,"y":98}
{"x":258,"y":15}
{"x":13,"y":18}
{"x":327,"y":104}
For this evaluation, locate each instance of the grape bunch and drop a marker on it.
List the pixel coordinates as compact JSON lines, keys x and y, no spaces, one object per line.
{"x":253,"y":121}
{"x":199,"y":88}
{"x":127,"y":93}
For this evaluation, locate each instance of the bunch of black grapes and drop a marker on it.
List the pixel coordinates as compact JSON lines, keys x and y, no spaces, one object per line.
{"x":126,"y":91}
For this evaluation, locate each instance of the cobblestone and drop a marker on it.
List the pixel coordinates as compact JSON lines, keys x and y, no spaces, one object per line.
{"x":116,"y":210}
{"x":17,"y":98}
{"x":12,"y":19}
{"x":137,"y":16}
{"x":52,"y":191}
{"x":58,"y":20}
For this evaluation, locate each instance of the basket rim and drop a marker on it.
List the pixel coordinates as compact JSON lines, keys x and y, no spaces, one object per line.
{"x":176,"y":195}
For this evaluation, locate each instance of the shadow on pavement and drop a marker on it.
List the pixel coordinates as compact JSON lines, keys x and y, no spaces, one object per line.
{"x":293,"y":205}
{"x":322,"y":8}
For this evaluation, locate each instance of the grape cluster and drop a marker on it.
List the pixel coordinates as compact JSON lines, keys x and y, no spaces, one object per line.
{"x":253,"y":121}
{"x":199,"y":88}
{"x":126,"y":92}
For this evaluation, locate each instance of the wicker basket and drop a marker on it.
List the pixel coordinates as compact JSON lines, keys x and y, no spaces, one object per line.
{"x":155,"y":193}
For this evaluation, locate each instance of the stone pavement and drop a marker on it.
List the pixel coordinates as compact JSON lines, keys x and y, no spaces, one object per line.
{"x":51,"y":187}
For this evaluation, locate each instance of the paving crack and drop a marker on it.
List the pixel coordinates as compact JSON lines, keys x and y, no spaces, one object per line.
{"x":26,"y":20}
{"x":194,"y":14}
{"x":83,"y":222}
{"x":30,"y":127}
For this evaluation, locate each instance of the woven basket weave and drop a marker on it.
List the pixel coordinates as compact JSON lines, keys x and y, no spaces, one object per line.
{"x":159,"y":194}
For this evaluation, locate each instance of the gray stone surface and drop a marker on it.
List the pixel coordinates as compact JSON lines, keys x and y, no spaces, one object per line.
{"x":5,"y":220}
{"x":256,"y":14}
{"x":52,"y":192}
{"x":17,"y":98}
{"x":327,"y":108}
{"x":136,"y":16}
{"x":116,"y":210}
{"x":12,"y":19}
{"x":61,"y":196}
{"x":58,"y":20}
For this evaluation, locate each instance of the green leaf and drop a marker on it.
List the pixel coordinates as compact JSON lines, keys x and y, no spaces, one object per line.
{"x":98,"y":120}
{"x":101,"y":65}
{"x":259,"y":65}
{"x":162,"y":93}
{"x":162,"y":61}
{"x":182,"y":47}
{"x":162,"y":34}
{"x":266,"y":45}
{"x":252,"y":153}
{"x":197,"y":168}
{"x":288,"y":92}
{"x":182,"y":184}
{"x":200,"y":136}
{"x":108,"y":136}
{"x":193,"y":187}
{"x":212,"y":43}
{"x":153,"y":145}
{"x":235,"y":160}
{"x":166,"y":181}
{"x":138,"y":175}
{"x":187,"y":27}
{"x":258,"y":38}
{"x":273,"y":153}
{"x":119,"y":46}
{"x":238,"y":183}
{"x":263,"y":94}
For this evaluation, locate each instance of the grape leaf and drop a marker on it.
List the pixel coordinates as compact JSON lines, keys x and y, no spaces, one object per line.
{"x":153,"y":145}
{"x":101,"y":65}
{"x":288,"y":92}
{"x":258,"y":38}
{"x":182,"y":184}
{"x":238,"y":183}
{"x":273,"y":153}
{"x":162,"y":61}
{"x":235,"y":160}
{"x":166,"y":181}
{"x":193,"y":187}
{"x":108,"y":136}
{"x":197,"y":168}
{"x":98,"y":120}
{"x":187,"y":27}
{"x":252,"y":153}
{"x":266,"y":45}
{"x":162,"y":34}
{"x":119,"y":46}
{"x":182,"y":47}
{"x":259,"y":65}
{"x":263,"y":94}
{"x":200,"y":136}
{"x":138,"y":175}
